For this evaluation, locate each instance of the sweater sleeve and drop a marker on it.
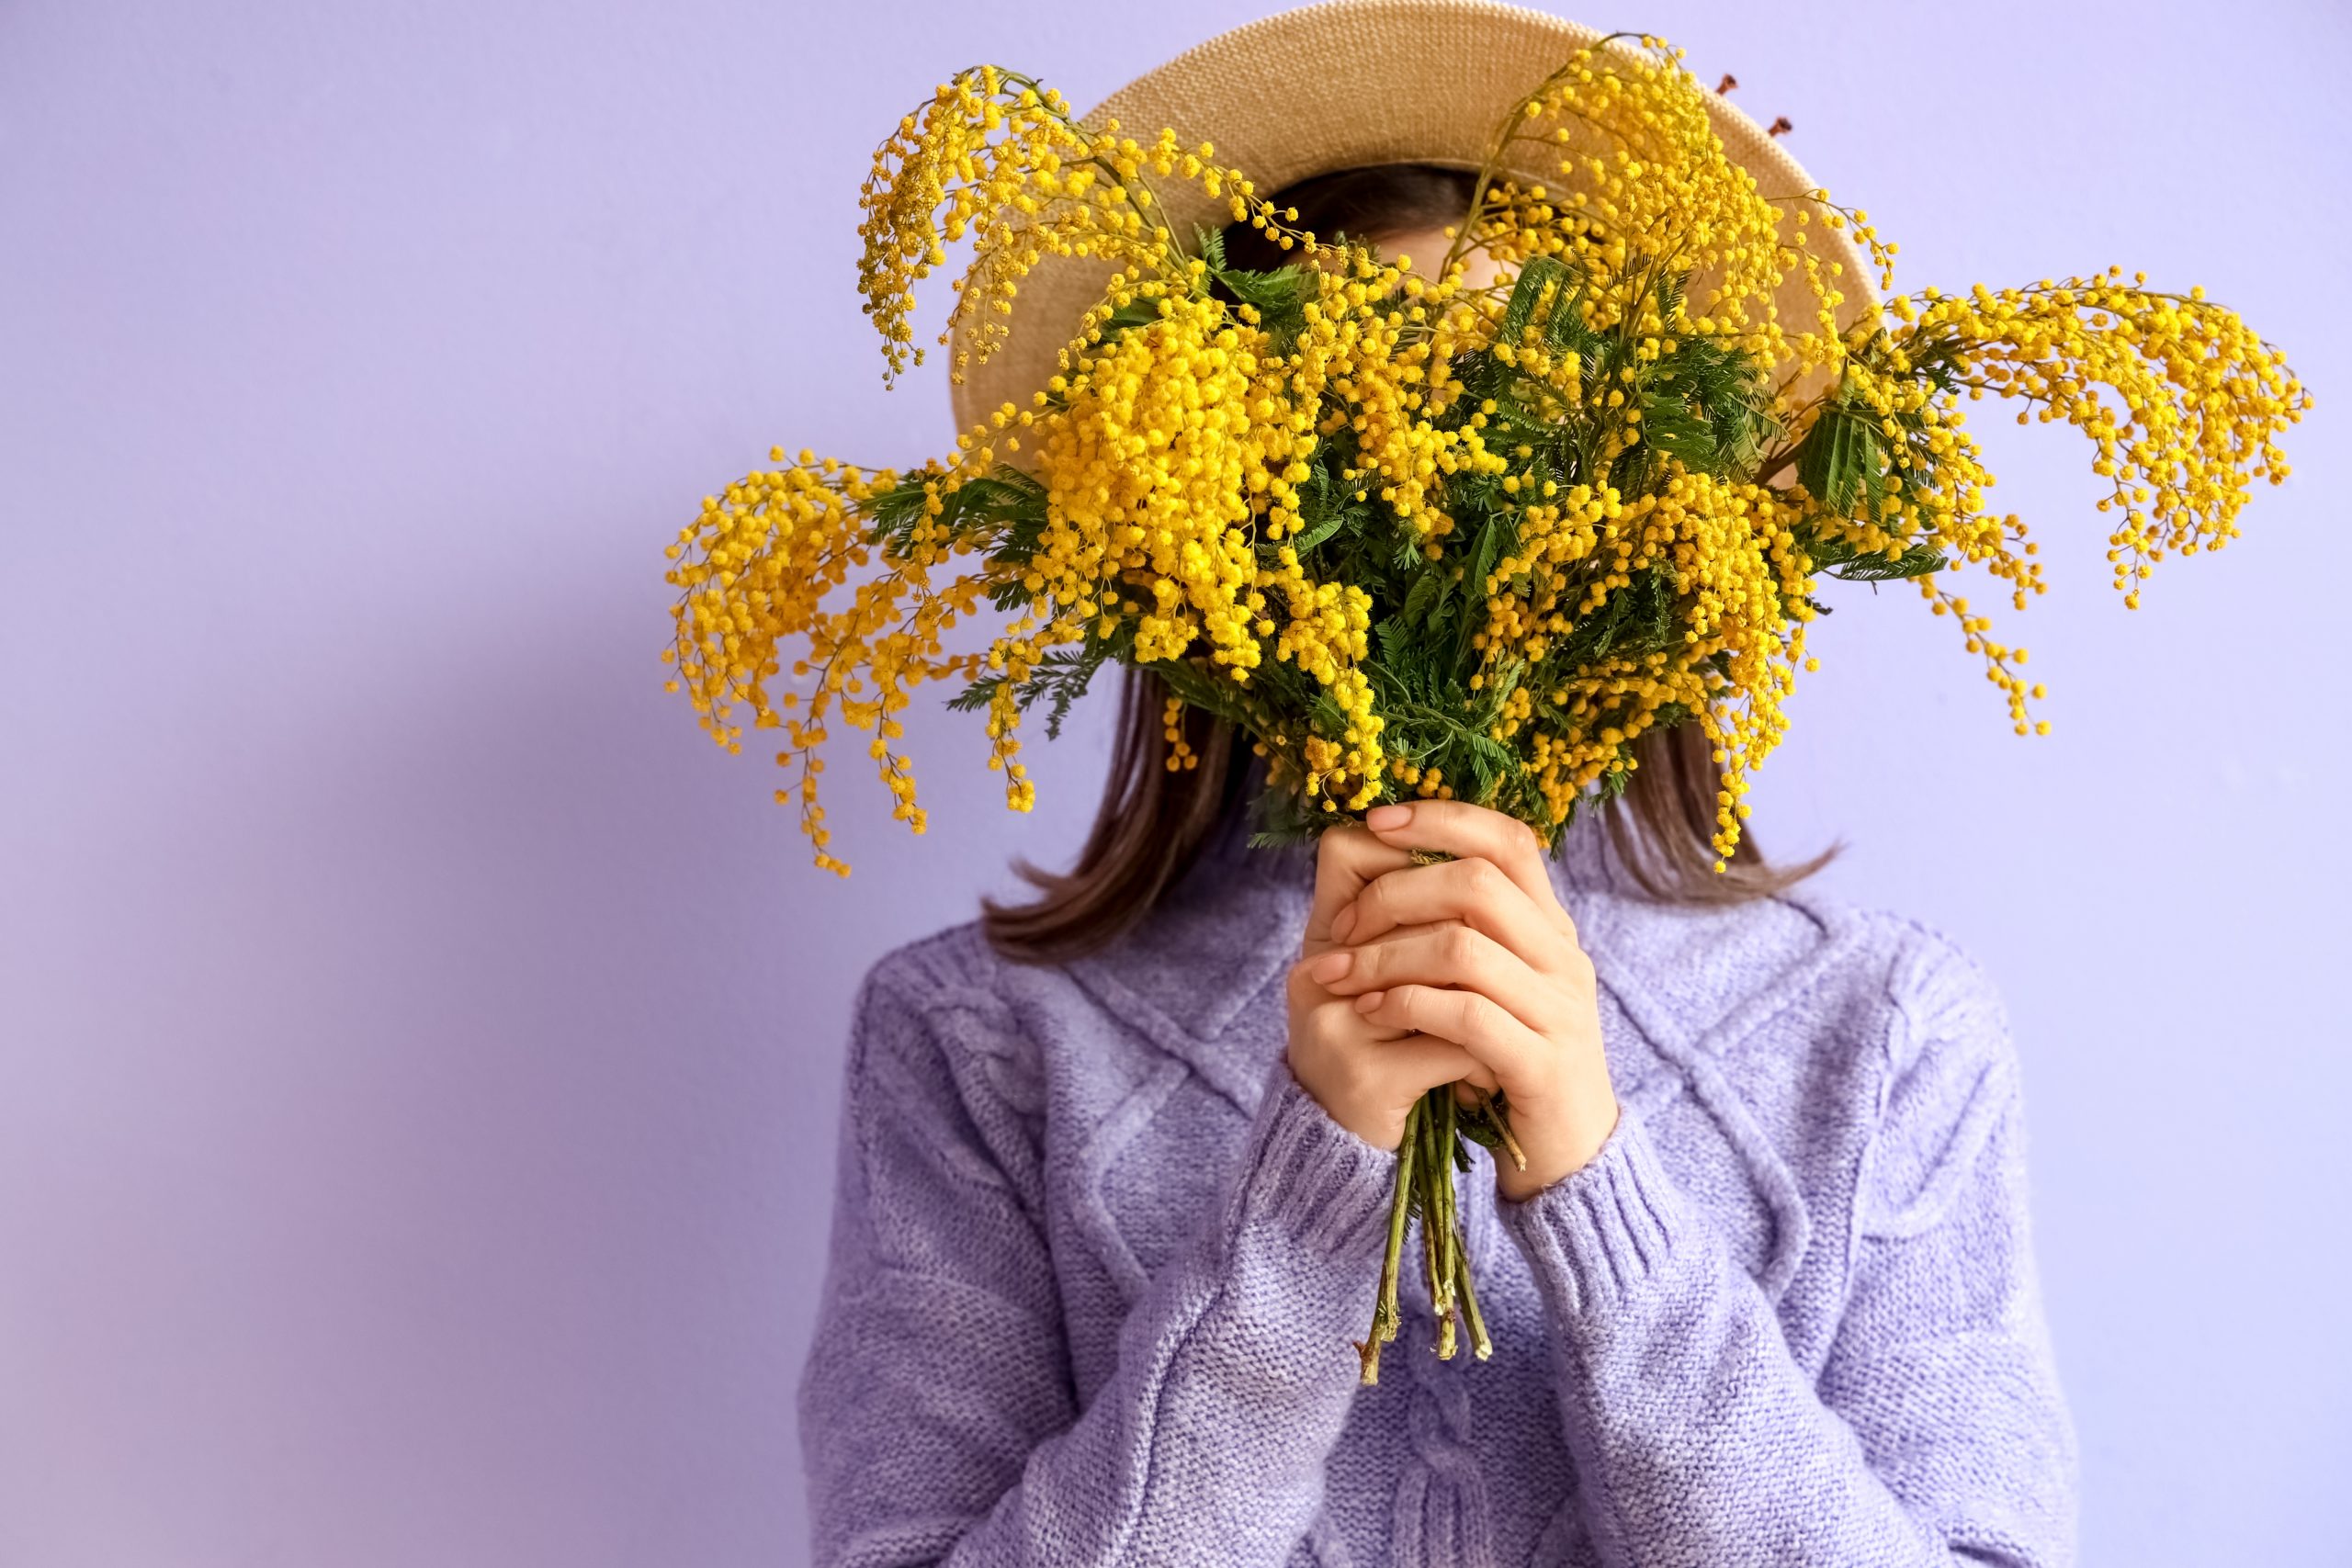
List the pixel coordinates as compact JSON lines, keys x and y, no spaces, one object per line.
{"x":1936,"y":1434}
{"x":938,"y":1417}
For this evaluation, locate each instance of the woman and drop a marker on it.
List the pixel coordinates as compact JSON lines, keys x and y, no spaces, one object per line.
{"x":1115,"y":1167}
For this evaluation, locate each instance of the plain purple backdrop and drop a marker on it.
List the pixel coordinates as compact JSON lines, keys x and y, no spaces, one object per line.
{"x":419,"y":1044}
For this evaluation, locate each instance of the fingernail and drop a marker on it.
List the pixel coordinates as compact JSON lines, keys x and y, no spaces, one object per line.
{"x":1369,"y":1000}
{"x":1331,"y":966}
{"x":1343,"y":923}
{"x":1380,"y":818}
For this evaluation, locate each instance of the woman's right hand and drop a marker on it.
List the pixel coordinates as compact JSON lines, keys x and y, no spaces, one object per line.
{"x":1366,"y":1075}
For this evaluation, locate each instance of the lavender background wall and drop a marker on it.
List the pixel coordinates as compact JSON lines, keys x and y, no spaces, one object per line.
{"x":418,"y":1045}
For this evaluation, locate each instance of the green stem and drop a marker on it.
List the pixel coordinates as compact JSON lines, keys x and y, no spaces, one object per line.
{"x":1449,"y":1239}
{"x":1383,"y":1311}
{"x":1438,"y":1211}
{"x":1399,"y":1214}
{"x":1480,"y":1346}
{"x":1425,"y":1179}
{"x":1432,"y":1228}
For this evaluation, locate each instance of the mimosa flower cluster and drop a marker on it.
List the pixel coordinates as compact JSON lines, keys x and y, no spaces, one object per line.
{"x":1418,"y":538}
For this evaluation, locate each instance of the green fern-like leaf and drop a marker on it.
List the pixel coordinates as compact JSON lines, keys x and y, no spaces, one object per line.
{"x":1839,"y":459}
{"x":1917,"y":560}
{"x":1539,"y":274}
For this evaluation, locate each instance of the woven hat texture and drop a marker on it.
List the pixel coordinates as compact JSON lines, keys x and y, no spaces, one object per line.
{"x":1340,"y":85}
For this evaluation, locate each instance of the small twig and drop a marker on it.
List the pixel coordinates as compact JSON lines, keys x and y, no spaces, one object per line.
{"x":1499,"y":1120}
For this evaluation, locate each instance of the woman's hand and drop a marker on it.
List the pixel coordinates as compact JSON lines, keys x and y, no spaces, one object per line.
{"x":1465,"y":970}
{"x":1366,"y":1074}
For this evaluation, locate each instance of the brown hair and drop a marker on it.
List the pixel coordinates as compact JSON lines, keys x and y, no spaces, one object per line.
{"x":1152,"y":821}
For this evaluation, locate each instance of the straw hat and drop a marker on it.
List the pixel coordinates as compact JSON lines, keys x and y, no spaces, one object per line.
{"x":1337,"y":85}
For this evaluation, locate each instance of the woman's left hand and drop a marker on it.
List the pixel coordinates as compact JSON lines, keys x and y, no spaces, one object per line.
{"x":1477,"y":951}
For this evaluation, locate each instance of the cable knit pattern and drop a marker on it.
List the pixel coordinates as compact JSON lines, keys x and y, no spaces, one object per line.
{"x":1097,"y":1261}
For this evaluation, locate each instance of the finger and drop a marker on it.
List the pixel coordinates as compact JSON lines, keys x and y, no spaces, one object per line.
{"x":1464,"y":830}
{"x":1473,"y":1088}
{"x":1448,"y":954}
{"x":1475,"y":892}
{"x":1415,"y":1064}
{"x":1481,"y":1026}
{"x":1347,"y":859}
{"x":1387,"y":1065}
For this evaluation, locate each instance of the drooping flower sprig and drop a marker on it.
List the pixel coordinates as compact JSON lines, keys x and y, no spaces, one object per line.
{"x":1416,"y":538}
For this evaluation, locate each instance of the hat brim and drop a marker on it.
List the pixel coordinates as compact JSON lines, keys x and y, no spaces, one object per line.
{"x":1341,"y":85}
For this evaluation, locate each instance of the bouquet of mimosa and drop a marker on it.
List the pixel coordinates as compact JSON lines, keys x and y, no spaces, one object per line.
{"x":1414,"y":536}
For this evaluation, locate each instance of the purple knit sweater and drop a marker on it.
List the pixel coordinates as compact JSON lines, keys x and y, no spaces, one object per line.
{"x":1097,"y":1259}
